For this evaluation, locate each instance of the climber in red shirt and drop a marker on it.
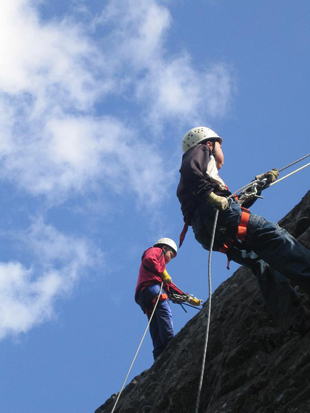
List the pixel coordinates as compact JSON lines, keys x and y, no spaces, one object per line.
{"x":151,"y":275}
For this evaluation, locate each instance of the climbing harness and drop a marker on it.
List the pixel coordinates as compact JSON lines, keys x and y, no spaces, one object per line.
{"x":255,"y":186}
{"x":243,"y":224}
{"x":134,"y":359}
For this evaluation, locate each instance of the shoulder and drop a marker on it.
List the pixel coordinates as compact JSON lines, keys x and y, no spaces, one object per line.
{"x":152,"y":252}
{"x":196,"y":152}
{"x":195,"y":156}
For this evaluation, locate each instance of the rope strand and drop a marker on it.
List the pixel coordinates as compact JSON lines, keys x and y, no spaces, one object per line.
{"x":292,"y":173}
{"x":134,"y":359}
{"x":293,"y":163}
{"x":280,"y":170}
{"x":209,"y":314}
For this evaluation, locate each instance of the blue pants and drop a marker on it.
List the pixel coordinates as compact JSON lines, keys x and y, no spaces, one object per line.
{"x":161,"y":327}
{"x":273,"y":255}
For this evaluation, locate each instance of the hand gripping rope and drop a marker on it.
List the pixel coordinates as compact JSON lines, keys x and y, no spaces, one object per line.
{"x":257,"y":182}
{"x":134,"y":359}
{"x":239,"y":192}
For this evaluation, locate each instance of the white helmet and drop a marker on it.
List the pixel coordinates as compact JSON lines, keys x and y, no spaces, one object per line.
{"x":198,"y":134}
{"x":168,"y":242}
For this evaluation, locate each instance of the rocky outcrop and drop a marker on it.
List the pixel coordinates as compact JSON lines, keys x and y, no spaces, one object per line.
{"x":253,"y":366}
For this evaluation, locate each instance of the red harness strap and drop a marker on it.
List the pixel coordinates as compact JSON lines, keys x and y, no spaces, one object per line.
{"x":148,"y":311}
{"x":226,"y":246}
{"x":162,"y":297}
{"x":244,"y":220}
{"x":224,"y":249}
{"x":241,"y":232}
{"x":183,"y":233}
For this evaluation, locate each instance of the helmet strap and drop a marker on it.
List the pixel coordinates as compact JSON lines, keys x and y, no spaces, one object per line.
{"x":213,"y":148}
{"x":166,"y":248}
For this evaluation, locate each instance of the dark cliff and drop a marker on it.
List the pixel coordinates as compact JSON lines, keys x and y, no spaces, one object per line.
{"x":253,"y":365}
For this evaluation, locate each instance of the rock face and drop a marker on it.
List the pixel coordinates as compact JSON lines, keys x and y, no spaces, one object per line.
{"x":252,"y":365}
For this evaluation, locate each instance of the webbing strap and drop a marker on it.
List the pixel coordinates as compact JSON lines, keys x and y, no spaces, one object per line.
{"x":241,"y":232}
{"x":183,"y":233}
{"x":162,"y":297}
{"x":244,"y":220}
{"x":225,"y":247}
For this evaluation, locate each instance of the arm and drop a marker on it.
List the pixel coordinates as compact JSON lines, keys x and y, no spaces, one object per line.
{"x":251,"y":194}
{"x":178,"y":296}
{"x":193,"y":171}
{"x":195,"y":180}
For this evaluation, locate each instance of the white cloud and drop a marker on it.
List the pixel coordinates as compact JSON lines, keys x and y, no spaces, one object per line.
{"x":177,"y":90}
{"x":170,"y":85}
{"x":61,"y":135}
{"x":54,"y":73}
{"x":28,"y":295}
{"x":54,"y":63}
{"x":137,"y":31}
{"x":78,"y":154}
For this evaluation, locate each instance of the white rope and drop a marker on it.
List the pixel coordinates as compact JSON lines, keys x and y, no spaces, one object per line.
{"x":293,"y":163}
{"x":280,"y":170}
{"x":209,"y":314}
{"x":134,"y":359}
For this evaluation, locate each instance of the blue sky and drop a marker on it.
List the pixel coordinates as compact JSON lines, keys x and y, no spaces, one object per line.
{"x":95,"y":98}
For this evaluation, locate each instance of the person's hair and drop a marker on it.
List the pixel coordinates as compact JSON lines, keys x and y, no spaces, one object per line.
{"x":213,"y":140}
{"x":167,"y":247}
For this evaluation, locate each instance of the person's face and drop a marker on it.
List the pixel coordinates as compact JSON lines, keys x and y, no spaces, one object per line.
{"x":168,"y":256}
{"x":218,"y":154}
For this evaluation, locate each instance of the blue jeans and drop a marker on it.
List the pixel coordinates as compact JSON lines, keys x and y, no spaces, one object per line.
{"x":161,"y":327}
{"x":273,"y":255}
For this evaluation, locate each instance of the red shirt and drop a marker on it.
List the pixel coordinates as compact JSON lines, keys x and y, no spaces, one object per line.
{"x":153,"y":264}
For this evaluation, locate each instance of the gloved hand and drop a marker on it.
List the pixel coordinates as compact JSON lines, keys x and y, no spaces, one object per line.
{"x":219,"y":202}
{"x":166,"y":277}
{"x":270,"y":176}
{"x":193,"y":300}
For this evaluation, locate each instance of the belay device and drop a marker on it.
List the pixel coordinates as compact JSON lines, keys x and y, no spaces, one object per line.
{"x":178,"y":297}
